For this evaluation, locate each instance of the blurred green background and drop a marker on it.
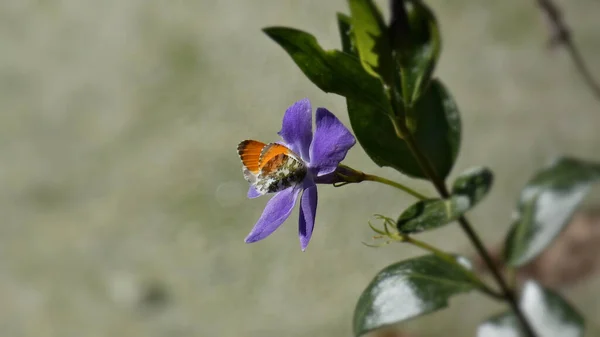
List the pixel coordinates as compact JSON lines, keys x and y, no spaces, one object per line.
{"x":123,"y":203}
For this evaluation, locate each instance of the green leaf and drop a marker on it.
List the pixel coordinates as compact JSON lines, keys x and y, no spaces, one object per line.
{"x":369,"y":110}
{"x":346,"y":34}
{"x":503,"y":325}
{"x":438,"y":135}
{"x":372,"y":40}
{"x":342,"y":73}
{"x":408,"y":289}
{"x":474,"y":183}
{"x":548,"y":314}
{"x":418,"y":51}
{"x":468,"y":190}
{"x":332,"y":70}
{"x":546,"y":205}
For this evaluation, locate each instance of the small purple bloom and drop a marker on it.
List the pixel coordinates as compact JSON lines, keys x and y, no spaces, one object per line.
{"x":313,"y":159}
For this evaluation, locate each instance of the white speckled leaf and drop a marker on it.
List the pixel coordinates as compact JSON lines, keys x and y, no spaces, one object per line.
{"x":408,"y":289}
{"x":467,"y":191}
{"x":548,"y":314}
{"x":546,"y":205}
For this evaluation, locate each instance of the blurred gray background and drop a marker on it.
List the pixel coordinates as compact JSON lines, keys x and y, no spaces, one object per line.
{"x":123,"y":203}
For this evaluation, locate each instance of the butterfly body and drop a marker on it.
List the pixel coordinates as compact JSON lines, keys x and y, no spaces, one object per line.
{"x":270,"y":167}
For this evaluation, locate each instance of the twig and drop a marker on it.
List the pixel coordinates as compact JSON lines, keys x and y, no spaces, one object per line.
{"x":440,"y":185}
{"x":561,"y":35}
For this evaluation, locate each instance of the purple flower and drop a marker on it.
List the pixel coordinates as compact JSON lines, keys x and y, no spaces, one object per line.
{"x":294,"y":165}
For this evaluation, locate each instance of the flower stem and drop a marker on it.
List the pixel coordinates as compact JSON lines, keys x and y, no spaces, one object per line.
{"x":371,"y":177}
{"x":440,"y":186}
{"x":451,"y":259}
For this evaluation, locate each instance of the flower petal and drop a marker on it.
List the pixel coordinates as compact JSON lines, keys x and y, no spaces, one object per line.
{"x":308,"y":212}
{"x":296,"y":129}
{"x":278,"y":209}
{"x":330,"y":144}
{"x":253,"y":193}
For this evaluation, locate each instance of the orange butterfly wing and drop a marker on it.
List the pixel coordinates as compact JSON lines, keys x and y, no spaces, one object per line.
{"x":270,"y":167}
{"x":272,"y":156}
{"x":250,"y":153}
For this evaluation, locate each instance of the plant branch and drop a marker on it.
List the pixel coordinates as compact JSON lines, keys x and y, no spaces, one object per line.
{"x":371,"y":177}
{"x":440,"y":186}
{"x":561,"y":35}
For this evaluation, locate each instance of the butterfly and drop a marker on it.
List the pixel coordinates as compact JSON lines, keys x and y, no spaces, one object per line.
{"x":270,"y":167}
